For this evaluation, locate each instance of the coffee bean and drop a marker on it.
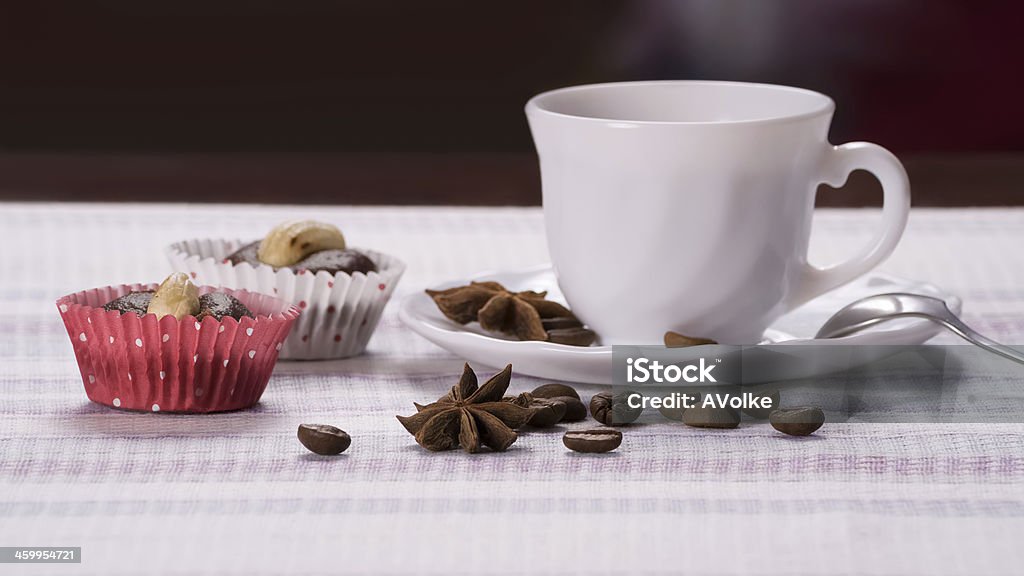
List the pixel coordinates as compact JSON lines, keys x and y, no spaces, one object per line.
{"x":592,"y":441}
{"x":709,"y":417}
{"x":324,"y":439}
{"x":547,"y":412}
{"x":676,"y":414}
{"x":555,"y":390}
{"x":613,"y":410}
{"x":575,"y":409}
{"x":762,"y":413}
{"x":798,"y":421}
{"x":601,"y":407}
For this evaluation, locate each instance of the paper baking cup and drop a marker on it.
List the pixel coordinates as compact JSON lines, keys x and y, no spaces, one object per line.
{"x":170,"y":365}
{"x":339,"y":311}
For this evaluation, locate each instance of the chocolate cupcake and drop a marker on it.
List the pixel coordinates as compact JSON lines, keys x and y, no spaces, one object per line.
{"x":175,"y":347}
{"x":332,"y":261}
{"x":341,"y":290}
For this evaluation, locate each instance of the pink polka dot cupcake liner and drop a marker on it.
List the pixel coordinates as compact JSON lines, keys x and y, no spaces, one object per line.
{"x":170,"y":365}
{"x":339,"y":311}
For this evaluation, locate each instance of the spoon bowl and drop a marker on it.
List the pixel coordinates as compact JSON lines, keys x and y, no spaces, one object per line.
{"x":879,"y":308}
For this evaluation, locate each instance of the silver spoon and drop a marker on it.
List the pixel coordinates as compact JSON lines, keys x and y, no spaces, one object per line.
{"x":883,"y":307}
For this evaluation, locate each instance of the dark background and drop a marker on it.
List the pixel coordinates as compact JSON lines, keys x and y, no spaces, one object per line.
{"x":421,"y":101}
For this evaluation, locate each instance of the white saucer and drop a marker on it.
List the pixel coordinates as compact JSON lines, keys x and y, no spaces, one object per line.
{"x":593,"y":365}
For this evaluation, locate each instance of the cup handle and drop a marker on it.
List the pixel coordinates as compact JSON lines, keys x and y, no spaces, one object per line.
{"x":839,"y":162}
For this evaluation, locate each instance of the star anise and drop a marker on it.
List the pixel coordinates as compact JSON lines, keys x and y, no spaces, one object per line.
{"x":469,"y":416}
{"x":527,"y":315}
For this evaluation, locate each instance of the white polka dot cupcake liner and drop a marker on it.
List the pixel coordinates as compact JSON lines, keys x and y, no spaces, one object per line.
{"x":170,"y":365}
{"x":339,"y":311}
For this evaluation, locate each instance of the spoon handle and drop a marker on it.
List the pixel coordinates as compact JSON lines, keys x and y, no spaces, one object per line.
{"x":967,"y":333}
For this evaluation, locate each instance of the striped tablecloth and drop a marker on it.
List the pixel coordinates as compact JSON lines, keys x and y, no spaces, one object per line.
{"x":237,"y":494}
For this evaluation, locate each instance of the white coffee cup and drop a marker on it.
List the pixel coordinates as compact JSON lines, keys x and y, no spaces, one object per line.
{"x":686,"y":206}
